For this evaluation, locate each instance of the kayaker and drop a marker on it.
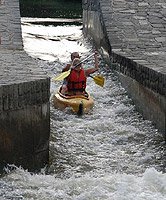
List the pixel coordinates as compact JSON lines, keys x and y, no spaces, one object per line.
{"x":66,"y":68}
{"x":73,"y":56}
{"x":76,"y":81}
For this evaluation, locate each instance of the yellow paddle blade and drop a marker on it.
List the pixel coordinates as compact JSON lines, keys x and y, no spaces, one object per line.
{"x":99,"y":80}
{"x":61,"y":76}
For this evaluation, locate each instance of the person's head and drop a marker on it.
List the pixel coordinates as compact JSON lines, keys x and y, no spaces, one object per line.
{"x":74,"y":55}
{"x":75,"y":62}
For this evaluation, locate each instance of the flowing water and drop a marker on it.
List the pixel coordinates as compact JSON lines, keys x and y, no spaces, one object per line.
{"x":111,"y":153}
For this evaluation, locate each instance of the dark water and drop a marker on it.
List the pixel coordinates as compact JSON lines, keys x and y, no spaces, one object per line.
{"x":51,"y":8}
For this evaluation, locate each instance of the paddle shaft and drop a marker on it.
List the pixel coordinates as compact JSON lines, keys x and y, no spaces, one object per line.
{"x":84,"y":60}
{"x":66,"y":73}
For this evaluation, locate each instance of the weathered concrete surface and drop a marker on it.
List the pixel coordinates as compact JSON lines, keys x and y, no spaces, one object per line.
{"x":10,"y":25}
{"x":24,"y":137}
{"x":24,"y":97}
{"x":133,"y":35}
{"x":18,"y":67}
{"x":24,"y":111}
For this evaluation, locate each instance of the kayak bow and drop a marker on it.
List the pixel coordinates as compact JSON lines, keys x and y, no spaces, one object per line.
{"x":78,"y":103}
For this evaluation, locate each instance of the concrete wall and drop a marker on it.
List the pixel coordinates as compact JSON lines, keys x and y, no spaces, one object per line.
{"x":24,"y":97}
{"x":10,"y":25}
{"x":24,"y":124}
{"x":94,"y":28}
{"x":133,"y":44}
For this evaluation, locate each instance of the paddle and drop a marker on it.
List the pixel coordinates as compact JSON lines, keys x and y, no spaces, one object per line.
{"x":99,"y":80}
{"x":65,"y":74}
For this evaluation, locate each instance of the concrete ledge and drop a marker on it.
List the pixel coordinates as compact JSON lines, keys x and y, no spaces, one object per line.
{"x":150,"y":78}
{"x":18,"y":67}
{"x":19,"y":96}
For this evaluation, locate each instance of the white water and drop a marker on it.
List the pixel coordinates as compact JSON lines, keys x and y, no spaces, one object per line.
{"x":151,"y":185}
{"x":108,"y":154}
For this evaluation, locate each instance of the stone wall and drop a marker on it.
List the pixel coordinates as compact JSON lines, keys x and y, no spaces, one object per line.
{"x":24,"y":111}
{"x":10,"y":25}
{"x":24,"y":97}
{"x":93,"y":23}
{"x":132,"y":36}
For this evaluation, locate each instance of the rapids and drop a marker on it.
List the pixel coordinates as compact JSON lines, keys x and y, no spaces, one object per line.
{"x":112,"y":153}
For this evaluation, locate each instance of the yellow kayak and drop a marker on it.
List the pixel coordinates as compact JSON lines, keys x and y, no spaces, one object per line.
{"x":78,"y":103}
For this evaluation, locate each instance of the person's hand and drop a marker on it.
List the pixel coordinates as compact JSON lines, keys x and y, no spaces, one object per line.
{"x":96,"y":53}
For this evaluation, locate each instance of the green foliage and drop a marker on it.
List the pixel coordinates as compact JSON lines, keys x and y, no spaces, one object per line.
{"x":51,"y":8}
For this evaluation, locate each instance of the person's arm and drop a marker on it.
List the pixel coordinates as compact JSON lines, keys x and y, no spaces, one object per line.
{"x":92,"y":70}
{"x":66,"y":68}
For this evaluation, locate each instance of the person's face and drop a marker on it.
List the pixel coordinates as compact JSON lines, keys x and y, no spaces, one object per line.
{"x":74,"y":55}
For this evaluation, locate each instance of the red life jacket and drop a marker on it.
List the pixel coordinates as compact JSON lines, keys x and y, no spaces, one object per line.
{"x":76,"y":81}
